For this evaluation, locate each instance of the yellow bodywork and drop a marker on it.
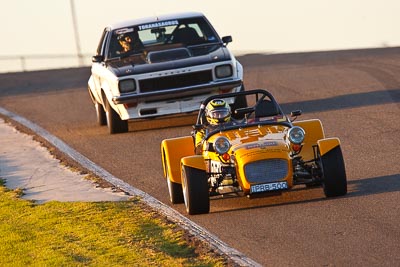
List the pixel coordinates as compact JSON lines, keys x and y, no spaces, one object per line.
{"x":327,"y":145}
{"x":196,"y":161}
{"x":279,"y":150}
{"x":247,"y":145}
{"x":314,"y":132}
{"x":172,"y":151}
{"x":258,"y":152}
{"x":254,"y":144}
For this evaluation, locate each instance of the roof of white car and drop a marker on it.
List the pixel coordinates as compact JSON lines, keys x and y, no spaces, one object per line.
{"x":165,"y":17}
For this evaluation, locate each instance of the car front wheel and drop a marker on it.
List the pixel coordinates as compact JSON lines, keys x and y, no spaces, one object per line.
{"x":334,"y":173}
{"x":195,"y":190}
{"x":114,"y":122}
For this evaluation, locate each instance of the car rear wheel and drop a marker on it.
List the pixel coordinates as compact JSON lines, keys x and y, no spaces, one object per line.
{"x":195,"y":190}
{"x":101,"y":114}
{"x":334,"y":173}
{"x":175,"y":192}
{"x":174,"y":189}
{"x":114,"y":122}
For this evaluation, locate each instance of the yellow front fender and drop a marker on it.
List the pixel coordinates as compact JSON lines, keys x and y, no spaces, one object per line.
{"x":314,"y":132}
{"x":326,"y":145}
{"x":196,"y":161}
{"x":172,"y":151}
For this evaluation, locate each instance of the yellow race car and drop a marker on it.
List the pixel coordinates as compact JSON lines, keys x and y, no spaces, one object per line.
{"x":255,"y":150}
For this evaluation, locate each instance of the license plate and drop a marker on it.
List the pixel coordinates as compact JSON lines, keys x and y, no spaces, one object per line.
{"x":258,"y":188}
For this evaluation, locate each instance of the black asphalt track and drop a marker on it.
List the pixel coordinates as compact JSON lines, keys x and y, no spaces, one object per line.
{"x":356,"y":95}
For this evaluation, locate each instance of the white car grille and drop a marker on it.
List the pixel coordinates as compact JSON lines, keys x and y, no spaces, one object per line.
{"x":265,"y":171}
{"x":175,"y":81}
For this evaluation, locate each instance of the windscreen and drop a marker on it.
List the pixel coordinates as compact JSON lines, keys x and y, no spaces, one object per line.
{"x":161,"y":35}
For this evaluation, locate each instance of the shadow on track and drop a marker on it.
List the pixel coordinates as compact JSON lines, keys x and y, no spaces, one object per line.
{"x":163,"y":122}
{"x":358,"y":188}
{"x":376,"y":185}
{"x":346,"y":101}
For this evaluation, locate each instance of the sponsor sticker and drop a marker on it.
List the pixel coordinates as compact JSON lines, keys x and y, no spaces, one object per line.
{"x":158,"y":24}
{"x":259,"y":188}
{"x":262,"y":145}
{"x":124,"y":30}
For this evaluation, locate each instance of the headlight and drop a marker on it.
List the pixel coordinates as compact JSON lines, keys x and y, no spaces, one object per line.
{"x":221,"y":145}
{"x":296,"y":135}
{"x":126,"y":86}
{"x":223,"y":71}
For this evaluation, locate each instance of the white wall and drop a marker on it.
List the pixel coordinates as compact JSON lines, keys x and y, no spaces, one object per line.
{"x":45,"y":26}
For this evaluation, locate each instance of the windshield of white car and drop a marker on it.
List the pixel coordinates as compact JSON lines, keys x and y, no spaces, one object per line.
{"x":192,"y":33}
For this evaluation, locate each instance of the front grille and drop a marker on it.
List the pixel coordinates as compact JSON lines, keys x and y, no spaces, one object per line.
{"x":266,"y":171}
{"x":175,"y":81}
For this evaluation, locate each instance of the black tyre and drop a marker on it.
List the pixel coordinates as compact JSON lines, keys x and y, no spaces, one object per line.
{"x":195,"y":190}
{"x":101,"y":114}
{"x":114,"y":122}
{"x":175,"y":192}
{"x":174,"y":189}
{"x":334,"y":173}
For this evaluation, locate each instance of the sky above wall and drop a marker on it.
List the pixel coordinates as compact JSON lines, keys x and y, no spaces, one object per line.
{"x":46,"y":26}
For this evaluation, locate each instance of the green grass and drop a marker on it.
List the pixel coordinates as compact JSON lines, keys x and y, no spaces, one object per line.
{"x":90,"y":234}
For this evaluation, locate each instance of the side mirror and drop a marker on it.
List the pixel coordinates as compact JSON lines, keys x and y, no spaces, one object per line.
{"x":97,"y":58}
{"x":241,"y":111}
{"x":227,"y":39}
{"x":295,"y":113}
{"x":197,"y":127}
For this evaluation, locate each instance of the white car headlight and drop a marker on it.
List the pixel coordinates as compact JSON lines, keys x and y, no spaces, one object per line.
{"x":223,"y":71}
{"x":127,"y":86}
{"x":222,"y":145}
{"x":296,"y":135}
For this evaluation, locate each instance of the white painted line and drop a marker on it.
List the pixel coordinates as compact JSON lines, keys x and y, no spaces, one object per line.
{"x":194,"y":229}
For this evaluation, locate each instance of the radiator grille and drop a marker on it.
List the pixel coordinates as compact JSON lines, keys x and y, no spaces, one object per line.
{"x":266,"y":171}
{"x":175,"y":81}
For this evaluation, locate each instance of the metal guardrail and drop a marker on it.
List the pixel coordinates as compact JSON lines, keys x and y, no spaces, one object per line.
{"x":21,"y":63}
{"x":15,"y":63}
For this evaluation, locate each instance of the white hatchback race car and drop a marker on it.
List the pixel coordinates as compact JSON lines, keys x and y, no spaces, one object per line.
{"x":160,"y":66}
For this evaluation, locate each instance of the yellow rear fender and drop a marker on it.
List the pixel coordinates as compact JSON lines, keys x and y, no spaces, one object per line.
{"x":326,"y":145}
{"x":172,"y":151}
{"x":196,"y":161}
{"x":314,"y":132}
